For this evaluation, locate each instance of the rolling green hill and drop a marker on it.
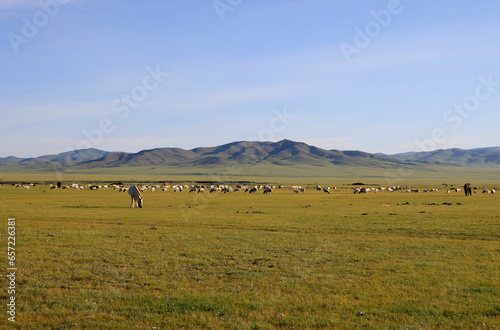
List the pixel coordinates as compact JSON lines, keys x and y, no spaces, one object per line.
{"x":66,"y":158}
{"x":282,"y":153}
{"x":267,"y":159}
{"x":479,"y":158}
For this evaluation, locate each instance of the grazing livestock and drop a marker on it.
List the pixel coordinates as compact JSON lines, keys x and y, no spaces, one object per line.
{"x":327,"y":190}
{"x":268,"y":190}
{"x":254,"y":189}
{"x":486,"y":191}
{"x":468,"y":189}
{"x":135,"y":193}
{"x":493,"y":191}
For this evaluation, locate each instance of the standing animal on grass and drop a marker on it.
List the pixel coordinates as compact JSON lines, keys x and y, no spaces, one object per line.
{"x":268,"y":190}
{"x":468,"y":189}
{"x":135,"y":193}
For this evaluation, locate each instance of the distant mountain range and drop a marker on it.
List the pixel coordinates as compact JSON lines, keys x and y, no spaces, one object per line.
{"x":283,"y":153}
{"x":480,"y":157}
{"x":67,"y":158}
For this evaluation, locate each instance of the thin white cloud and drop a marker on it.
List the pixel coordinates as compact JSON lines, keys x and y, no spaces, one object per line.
{"x":218,"y":99}
{"x":422,"y":45}
{"x":21,"y":114}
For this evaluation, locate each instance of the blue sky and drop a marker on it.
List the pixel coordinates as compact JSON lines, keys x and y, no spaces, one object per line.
{"x":379,"y":76}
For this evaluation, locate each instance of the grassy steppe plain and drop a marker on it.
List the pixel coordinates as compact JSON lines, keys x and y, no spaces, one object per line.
{"x":85,"y":259}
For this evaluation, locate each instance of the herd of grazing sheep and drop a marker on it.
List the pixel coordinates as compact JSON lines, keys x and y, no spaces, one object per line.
{"x":222,"y":188}
{"x":137,"y":200}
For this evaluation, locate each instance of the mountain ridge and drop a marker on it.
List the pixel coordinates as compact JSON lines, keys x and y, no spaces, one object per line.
{"x":282,"y":153}
{"x":478,"y":157}
{"x":69,"y":158}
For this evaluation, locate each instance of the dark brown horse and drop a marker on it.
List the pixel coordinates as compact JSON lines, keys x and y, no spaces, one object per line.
{"x":468,"y":189}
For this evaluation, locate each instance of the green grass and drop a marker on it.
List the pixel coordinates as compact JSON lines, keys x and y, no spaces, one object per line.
{"x":254,"y":261}
{"x":385,"y":174}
